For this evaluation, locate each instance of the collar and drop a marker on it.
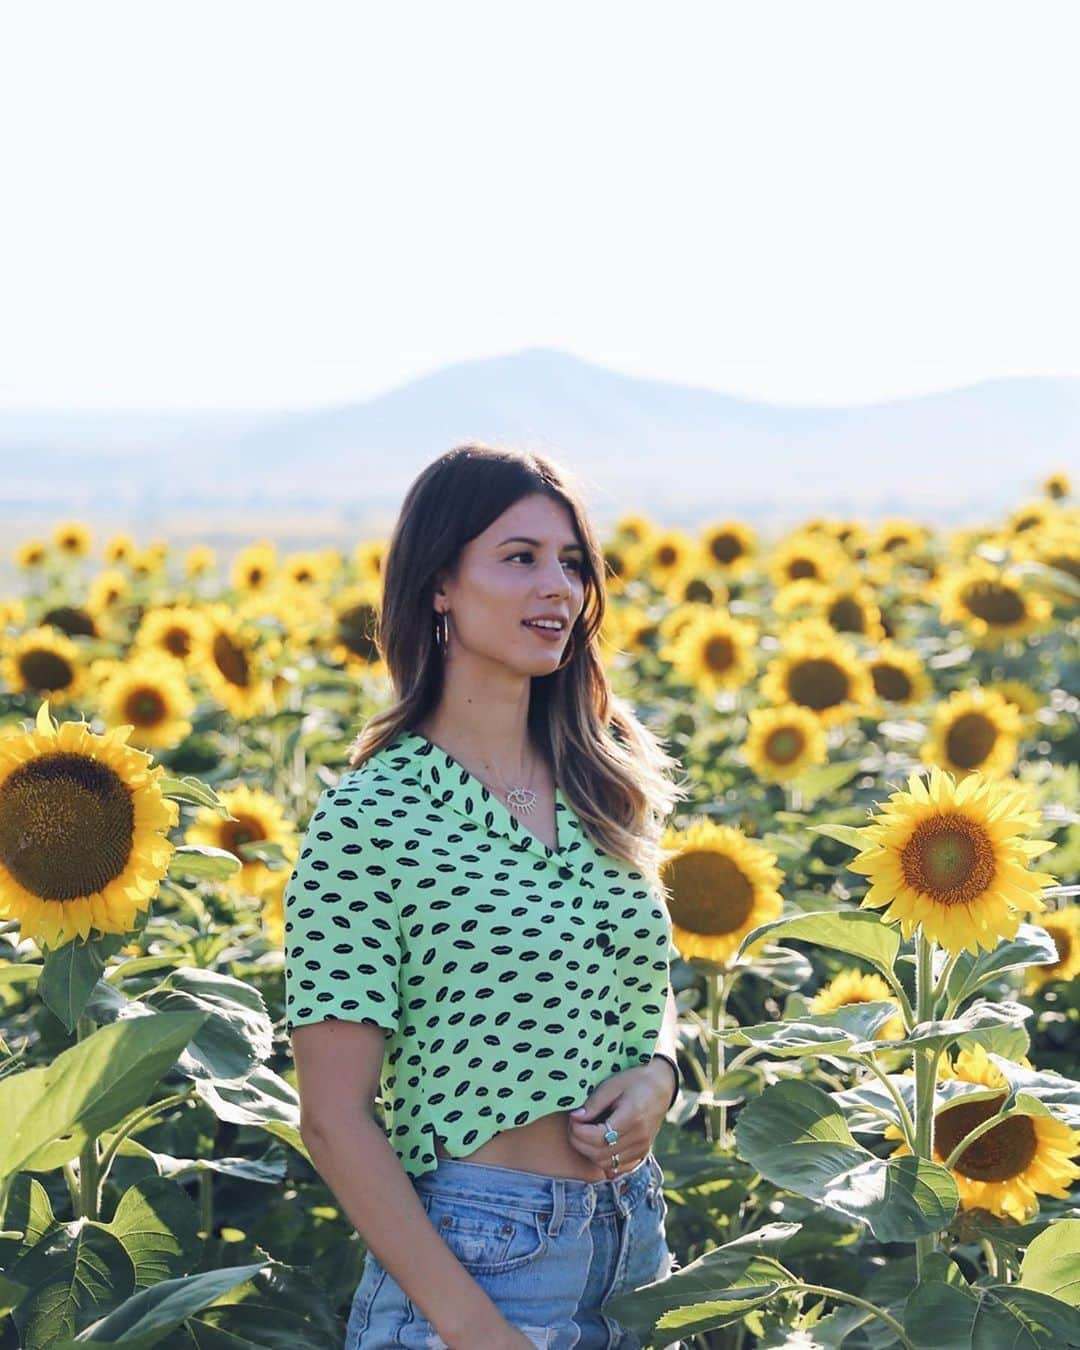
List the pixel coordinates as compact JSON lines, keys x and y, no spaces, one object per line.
{"x":413,"y":758}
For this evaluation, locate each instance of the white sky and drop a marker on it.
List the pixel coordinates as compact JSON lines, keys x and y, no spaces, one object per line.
{"x":229,"y":203}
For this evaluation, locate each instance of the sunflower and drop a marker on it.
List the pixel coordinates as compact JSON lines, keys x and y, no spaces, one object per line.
{"x":147,"y":563}
{"x":783,"y":742}
{"x":259,"y":817}
{"x":176,"y":631}
{"x":899,"y":675}
{"x":1026,"y":700}
{"x":975,"y":729}
{"x":118,"y":549}
{"x":44,"y":662}
{"x":991,"y":604}
{"x":619,"y":565}
{"x":898,"y":538}
{"x":306,"y":569}
{"x":199,"y":560}
{"x":852,"y":986}
{"x":1032,"y":516}
{"x":851,"y":607}
{"x":83,"y":827}
{"x":1058,"y":548}
{"x":668,"y":554}
{"x":353,"y":641}
{"x":817,"y":556}
{"x":729,"y":546}
{"x":254,"y":568}
{"x":805,"y":594}
{"x":713,"y":652}
{"x":1064,"y":927}
{"x":149,"y":693}
{"x":947,"y":857}
{"x":107,"y":590}
{"x":72,"y":539}
{"x":627,"y":629}
{"x":1005,"y":1169}
{"x":720,"y":886}
{"x":637,"y":528}
{"x":1057,"y":485}
{"x":819,"y":671}
{"x":695,"y":588}
{"x":31,"y":554}
{"x":233,"y":665}
{"x":369,"y":560}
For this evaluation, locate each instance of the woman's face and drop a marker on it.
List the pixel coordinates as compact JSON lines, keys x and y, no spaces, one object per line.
{"x":526,"y":565}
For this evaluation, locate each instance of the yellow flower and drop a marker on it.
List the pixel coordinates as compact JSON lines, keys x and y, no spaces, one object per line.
{"x":730,"y":546}
{"x":232,"y":664}
{"x":1057,"y":485}
{"x":150,"y":692}
{"x":44,"y":662}
{"x":369,"y":559}
{"x":258,"y":816}
{"x":899,"y":675}
{"x":820,"y":672}
{"x":72,"y":538}
{"x":177,"y":632}
{"x":1064,"y":927}
{"x":947,"y":857}
{"x":783,"y":742}
{"x":83,"y":826}
{"x":852,"y":986}
{"x":31,"y":554}
{"x":992,"y":604}
{"x":817,"y":557}
{"x":1006,"y":1168}
{"x":254,"y":568}
{"x":119,"y":548}
{"x":713,"y":651}
{"x":720,"y":886}
{"x":973,"y":730}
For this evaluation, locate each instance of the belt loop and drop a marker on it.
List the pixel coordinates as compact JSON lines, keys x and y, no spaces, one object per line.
{"x":558,"y":1205}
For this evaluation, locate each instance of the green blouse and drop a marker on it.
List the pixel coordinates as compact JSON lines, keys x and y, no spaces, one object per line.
{"x":511,"y":979}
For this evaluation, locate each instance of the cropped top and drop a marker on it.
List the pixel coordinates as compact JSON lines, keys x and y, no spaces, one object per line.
{"x":510,"y":979}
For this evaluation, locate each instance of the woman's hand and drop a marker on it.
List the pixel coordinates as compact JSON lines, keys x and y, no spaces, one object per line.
{"x":635,"y":1103}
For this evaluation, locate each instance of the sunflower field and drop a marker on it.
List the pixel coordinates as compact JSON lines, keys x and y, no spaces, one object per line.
{"x":872,"y":881}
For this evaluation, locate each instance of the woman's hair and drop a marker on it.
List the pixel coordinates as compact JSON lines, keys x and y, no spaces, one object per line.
{"x":611,"y":768}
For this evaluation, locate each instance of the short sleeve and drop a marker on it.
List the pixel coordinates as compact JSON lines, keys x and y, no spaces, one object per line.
{"x":342,"y":938}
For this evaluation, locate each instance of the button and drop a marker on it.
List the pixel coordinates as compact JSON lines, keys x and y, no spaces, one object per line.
{"x":565,"y":873}
{"x":622,"y":1186}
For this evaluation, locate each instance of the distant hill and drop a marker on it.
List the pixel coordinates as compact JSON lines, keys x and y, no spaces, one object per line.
{"x":682,"y":453}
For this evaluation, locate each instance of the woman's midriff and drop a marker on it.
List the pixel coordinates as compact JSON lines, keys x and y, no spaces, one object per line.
{"x":540,"y":1146}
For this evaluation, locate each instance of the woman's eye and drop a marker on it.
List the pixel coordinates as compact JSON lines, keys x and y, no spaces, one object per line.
{"x":575,"y":563}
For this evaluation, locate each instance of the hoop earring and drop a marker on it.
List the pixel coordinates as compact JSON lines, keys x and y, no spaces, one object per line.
{"x":442,"y":632}
{"x":570,"y":656}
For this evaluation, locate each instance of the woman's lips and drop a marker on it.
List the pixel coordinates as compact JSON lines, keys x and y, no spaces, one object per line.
{"x":549,"y":634}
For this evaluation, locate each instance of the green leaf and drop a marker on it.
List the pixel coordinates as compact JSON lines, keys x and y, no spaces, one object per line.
{"x":202,"y":862}
{"x":1029,"y":1087}
{"x":1051,"y":1264}
{"x":158,"y":1227}
{"x":11,"y":1294}
{"x":263,"y":1098}
{"x":237,"y":1033}
{"x":796,"y":1137}
{"x":781,"y":967}
{"x":987,"y":1317}
{"x":48,"y":1113}
{"x":818,"y":1032}
{"x":24,"y":973}
{"x":194,"y":790}
{"x":150,"y":1315}
{"x":854,"y":931}
{"x":980,"y":1016}
{"x":1031,"y":946}
{"x":844,"y":834}
{"x":29,"y":1212}
{"x":68,"y":978}
{"x":72,"y":1273}
{"x":822,"y":779}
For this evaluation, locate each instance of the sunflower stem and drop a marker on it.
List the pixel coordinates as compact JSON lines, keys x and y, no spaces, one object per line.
{"x":718,"y":987}
{"x":906,"y":1123}
{"x":924,"y":1065}
{"x":844,"y":1297}
{"x":89,"y":1174}
{"x":133,"y":1123}
{"x":991,"y":1258}
{"x":943,"y":982}
{"x":73,"y":1189}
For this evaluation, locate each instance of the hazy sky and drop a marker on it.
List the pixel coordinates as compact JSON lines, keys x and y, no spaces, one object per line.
{"x":257,"y":203}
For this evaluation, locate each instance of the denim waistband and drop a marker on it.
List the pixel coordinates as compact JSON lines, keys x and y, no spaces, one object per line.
{"x":539,"y":1191}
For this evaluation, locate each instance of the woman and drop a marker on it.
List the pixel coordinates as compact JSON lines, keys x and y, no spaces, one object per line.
{"x":475,"y":933}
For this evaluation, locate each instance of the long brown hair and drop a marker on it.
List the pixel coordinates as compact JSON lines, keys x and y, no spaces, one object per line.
{"x":611,"y":768}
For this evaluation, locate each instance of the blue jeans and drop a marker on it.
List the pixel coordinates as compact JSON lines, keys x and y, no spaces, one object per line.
{"x":548,"y":1251}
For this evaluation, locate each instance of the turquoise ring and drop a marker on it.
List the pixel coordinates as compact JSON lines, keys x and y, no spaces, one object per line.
{"x":610,"y":1135}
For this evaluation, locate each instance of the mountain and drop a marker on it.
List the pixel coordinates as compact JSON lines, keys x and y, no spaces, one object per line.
{"x":682,"y":453}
